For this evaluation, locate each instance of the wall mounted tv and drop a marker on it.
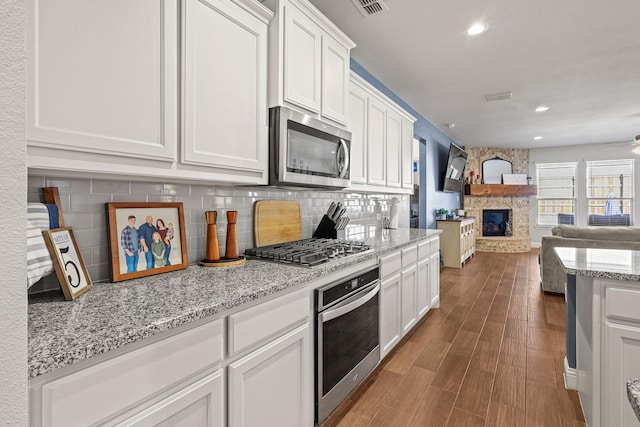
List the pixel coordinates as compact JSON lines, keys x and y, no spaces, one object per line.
{"x":454,"y":174}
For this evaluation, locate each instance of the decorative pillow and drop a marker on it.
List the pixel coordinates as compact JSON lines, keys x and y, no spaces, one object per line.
{"x":38,"y":259}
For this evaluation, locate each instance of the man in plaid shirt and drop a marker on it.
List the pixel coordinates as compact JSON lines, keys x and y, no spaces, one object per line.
{"x":130,"y":244}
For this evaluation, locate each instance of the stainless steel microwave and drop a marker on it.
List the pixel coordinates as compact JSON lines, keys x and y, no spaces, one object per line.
{"x":304,"y":151}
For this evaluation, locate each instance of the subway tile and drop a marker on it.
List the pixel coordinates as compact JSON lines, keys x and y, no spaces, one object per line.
{"x":89,"y":238}
{"x":79,"y":221}
{"x":70,"y":185}
{"x":144,"y":188}
{"x":99,"y":186}
{"x":88,"y":203}
{"x":202,"y":190}
{"x":134,"y":198}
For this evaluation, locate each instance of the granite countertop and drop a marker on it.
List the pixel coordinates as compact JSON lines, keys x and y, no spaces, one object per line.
{"x":633,"y":392}
{"x":619,"y":264}
{"x":111,"y":315}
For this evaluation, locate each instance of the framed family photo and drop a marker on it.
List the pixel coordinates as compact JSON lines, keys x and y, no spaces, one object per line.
{"x":146,"y":239}
{"x":67,"y":262}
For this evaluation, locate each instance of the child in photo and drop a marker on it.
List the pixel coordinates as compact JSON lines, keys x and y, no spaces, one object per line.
{"x":158,"y":248}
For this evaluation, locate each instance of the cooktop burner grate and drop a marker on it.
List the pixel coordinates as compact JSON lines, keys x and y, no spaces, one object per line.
{"x":308,"y":252}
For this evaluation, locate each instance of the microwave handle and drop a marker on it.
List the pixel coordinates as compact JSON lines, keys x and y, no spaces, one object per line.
{"x":343,"y":146}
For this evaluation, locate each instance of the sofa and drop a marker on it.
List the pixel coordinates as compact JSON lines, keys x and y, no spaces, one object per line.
{"x":552,"y":275}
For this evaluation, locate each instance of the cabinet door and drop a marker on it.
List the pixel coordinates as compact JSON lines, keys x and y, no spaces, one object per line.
{"x":422,"y":288}
{"x":408,"y":294}
{"x":272,"y":386}
{"x":200,"y":404}
{"x":394,"y":149}
{"x":434,"y":280}
{"x":390,"y":323}
{"x":224,"y":86}
{"x":101,"y":78}
{"x":376,"y":151}
{"x":357,"y":125}
{"x":302,"y":59}
{"x":620,"y":363}
{"x":335,"y":80}
{"x":407,"y":154}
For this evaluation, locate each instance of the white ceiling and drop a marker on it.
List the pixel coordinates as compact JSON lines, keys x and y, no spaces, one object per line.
{"x":579,"y":57}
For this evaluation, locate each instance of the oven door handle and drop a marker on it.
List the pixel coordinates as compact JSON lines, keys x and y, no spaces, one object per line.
{"x":349,"y":305}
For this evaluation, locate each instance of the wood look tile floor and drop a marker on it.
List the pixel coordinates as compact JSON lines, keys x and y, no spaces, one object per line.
{"x":491,"y":355}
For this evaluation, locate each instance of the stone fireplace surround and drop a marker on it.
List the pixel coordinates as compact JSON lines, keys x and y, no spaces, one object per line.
{"x":519,"y":205}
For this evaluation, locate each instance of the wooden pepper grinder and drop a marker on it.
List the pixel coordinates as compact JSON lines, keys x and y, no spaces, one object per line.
{"x":232,"y":237}
{"x":213,"y":249}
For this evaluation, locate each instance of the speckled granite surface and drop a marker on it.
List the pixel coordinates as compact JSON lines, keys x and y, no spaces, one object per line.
{"x":619,"y":264}
{"x":633,"y":392}
{"x":111,"y":315}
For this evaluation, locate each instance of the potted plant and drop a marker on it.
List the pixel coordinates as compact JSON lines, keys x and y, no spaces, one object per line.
{"x":442,"y":213}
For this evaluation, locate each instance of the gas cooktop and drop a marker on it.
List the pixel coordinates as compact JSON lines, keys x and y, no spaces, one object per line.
{"x":309,"y":252}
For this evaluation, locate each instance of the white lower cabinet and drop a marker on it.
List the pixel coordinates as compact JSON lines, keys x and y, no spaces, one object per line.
{"x":390,"y":322}
{"x":422,"y":288}
{"x":264,"y":378}
{"x":198,"y":404}
{"x":434,"y":280}
{"x":622,"y":363}
{"x":272,"y":386}
{"x":409,"y":283}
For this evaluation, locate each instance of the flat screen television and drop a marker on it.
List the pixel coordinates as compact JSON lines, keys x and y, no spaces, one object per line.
{"x":454,"y":174}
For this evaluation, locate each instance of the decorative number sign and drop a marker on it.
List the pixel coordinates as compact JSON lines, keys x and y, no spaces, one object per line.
{"x":67,"y":262}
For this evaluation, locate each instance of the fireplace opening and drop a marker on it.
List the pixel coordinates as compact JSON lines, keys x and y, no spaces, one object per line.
{"x":494,"y":222}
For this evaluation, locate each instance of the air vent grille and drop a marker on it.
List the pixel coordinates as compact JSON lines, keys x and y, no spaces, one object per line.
{"x":502,"y":96}
{"x":370,"y":7}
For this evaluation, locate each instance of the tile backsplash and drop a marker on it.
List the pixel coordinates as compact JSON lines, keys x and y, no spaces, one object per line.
{"x":83,"y":204}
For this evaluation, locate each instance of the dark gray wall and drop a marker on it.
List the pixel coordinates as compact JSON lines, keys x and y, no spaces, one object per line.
{"x":434,"y":148}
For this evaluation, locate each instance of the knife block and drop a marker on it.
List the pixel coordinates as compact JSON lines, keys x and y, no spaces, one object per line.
{"x":326,"y":229}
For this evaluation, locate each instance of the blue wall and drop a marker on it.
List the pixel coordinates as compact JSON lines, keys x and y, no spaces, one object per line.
{"x":434,"y":148}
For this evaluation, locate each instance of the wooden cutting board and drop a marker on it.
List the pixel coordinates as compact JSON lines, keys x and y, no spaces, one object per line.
{"x":276,"y":221}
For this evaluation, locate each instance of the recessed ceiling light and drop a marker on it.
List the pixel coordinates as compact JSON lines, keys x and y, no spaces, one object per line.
{"x":537,"y":138}
{"x":477,"y":28}
{"x":541,"y":108}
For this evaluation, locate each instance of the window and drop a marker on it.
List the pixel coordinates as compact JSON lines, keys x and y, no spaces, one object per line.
{"x":556,"y":193}
{"x":610,"y":192}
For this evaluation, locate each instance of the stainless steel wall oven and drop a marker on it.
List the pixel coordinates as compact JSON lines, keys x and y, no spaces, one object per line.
{"x":347,"y":341}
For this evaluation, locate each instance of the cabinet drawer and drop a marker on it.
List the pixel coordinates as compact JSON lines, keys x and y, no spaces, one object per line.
{"x":90,"y":395}
{"x":409,"y":256}
{"x":424,"y":249}
{"x":263,"y":321}
{"x":390,"y":264}
{"x":435,"y":245}
{"x":623,"y":303}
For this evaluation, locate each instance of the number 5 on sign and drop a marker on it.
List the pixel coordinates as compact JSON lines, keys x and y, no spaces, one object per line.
{"x":67,"y":262}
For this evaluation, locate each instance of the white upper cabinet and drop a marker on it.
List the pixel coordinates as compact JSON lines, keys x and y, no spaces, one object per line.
{"x":394,"y":149}
{"x":308,"y":61}
{"x":358,"y":127}
{"x":376,"y":131}
{"x":108,"y":82}
{"x":102,"y":76}
{"x":224,"y":80}
{"x":335,"y":80}
{"x":407,"y":154}
{"x":381,"y":143}
{"x":302,"y":59}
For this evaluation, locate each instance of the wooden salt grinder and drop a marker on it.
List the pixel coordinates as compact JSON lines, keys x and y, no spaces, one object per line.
{"x":213,"y":249}
{"x":232,"y":238}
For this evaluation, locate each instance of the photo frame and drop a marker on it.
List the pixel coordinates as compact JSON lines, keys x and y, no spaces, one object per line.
{"x":144,"y":254}
{"x":67,"y":262}
{"x":514,"y":178}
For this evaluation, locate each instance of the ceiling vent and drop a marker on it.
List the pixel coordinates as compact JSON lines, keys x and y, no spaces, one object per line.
{"x":370,"y":7}
{"x":502,"y":96}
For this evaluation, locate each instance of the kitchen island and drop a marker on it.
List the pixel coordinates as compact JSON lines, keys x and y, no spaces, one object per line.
{"x":603,"y":330}
{"x":115,"y":319}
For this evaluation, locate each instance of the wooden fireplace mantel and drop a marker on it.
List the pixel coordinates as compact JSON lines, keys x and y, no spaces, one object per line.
{"x":500,"y":190}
